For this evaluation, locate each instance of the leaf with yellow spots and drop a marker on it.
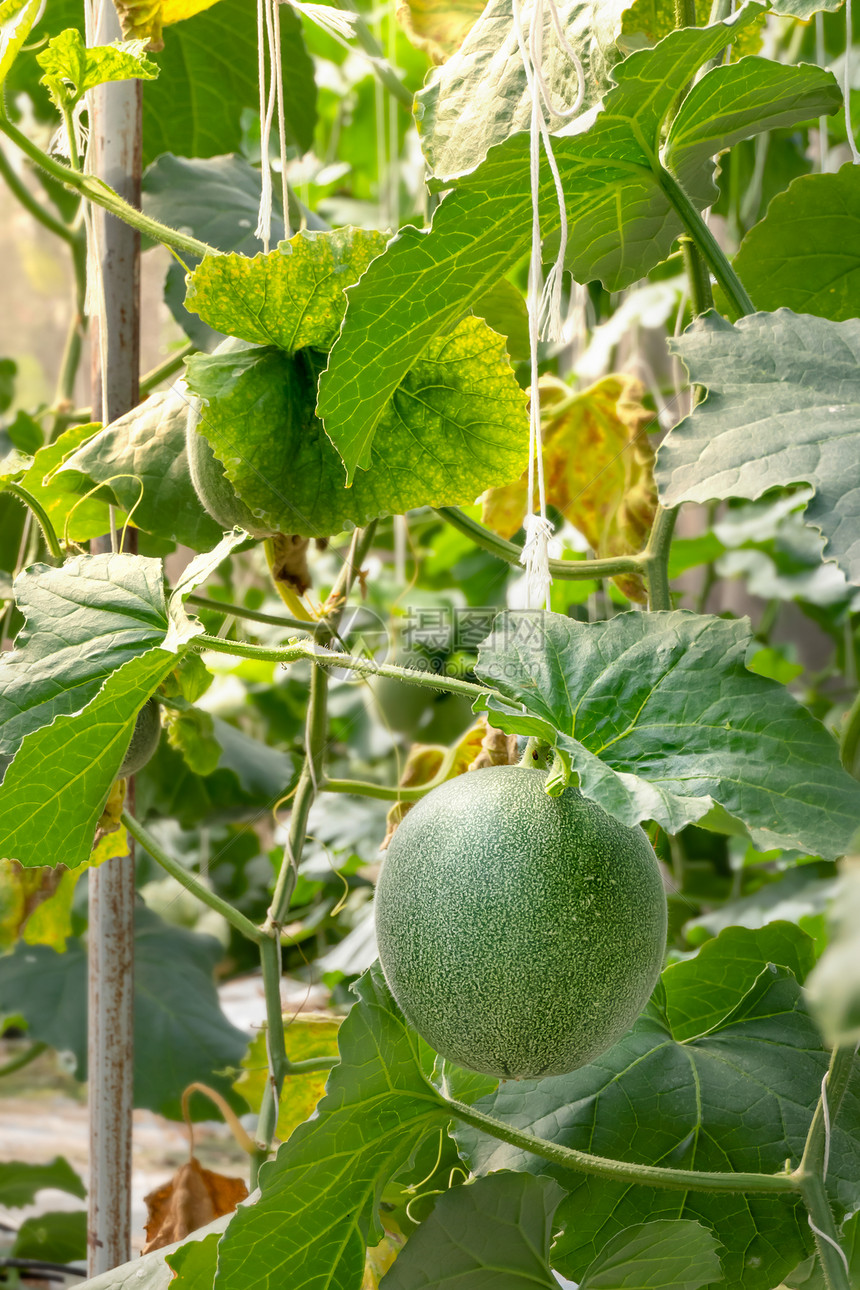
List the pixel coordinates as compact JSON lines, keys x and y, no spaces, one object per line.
{"x":598,"y":466}
{"x":309,"y":1035}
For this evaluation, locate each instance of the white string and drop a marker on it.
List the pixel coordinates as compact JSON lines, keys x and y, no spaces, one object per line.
{"x":282,"y":133}
{"x":830,"y":1241}
{"x":265,"y":36}
{"x":825,"y":1108}
{"x":544,"y":299}
{"x":846,"y":88}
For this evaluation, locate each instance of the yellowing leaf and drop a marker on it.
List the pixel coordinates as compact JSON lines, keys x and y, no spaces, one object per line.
{"x":309,"y":1035}
{"x":439,"y":27}
{"x":599,"y":469}
{"x":379,"y":1259}
{"x":425,"y":762}
{"x":143,"y":19}
{"x":36,"y":904}
{"x":177,"y":10}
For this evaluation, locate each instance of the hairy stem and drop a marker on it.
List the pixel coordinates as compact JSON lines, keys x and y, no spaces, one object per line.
{"x":253,"y":615}
{"x":833,"y":1262}
{"x":41,"y":515}
{"x":657,"y":558}
{"x":163,"y":371}
{"x":189,"y":880}
{"x":321,"y":656}
{"x":571,"y":570}
{"x":100,"y":194}
{"x":707,"y":245}
{"x":812,"y":1170}
{"x":34,"y":207}
{"x":316,"y":729}
{"x":622,"y":1170}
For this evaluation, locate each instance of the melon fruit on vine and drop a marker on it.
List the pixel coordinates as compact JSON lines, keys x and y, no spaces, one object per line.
{"x":520,"y":934}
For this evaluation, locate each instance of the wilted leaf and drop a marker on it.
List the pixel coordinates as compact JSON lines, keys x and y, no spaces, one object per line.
{"x":309,"y":1035}
{"x":598,"y":466}
{"x":425,"y":762}
{"x":193,"y":1197}
{"x":21,"y":892}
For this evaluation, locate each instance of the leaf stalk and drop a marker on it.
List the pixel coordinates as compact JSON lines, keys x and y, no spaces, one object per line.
{"x":100,"y":194}
{"x":623,"y":1170}
{"x":569,"y":570}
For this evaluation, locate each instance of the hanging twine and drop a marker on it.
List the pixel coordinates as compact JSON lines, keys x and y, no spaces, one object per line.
{"x":544,"y":299}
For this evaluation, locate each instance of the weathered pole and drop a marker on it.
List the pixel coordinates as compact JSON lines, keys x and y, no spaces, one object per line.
{"x":115,"y":155}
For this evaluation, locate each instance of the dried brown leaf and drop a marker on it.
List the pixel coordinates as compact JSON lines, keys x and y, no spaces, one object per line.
{"x":193,"y":1197}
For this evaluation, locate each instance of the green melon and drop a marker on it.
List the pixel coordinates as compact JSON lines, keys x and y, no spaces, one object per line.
{"x":144,"y":740}
{"x":208,"y":475}
{"x":520,"y":934}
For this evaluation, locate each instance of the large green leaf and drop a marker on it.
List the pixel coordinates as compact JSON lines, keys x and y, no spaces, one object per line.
{"x":73,"y":517}
{"x":293,"y":297}
{"x":82,"y":621}
{"x":738,"y":1098}
{"x":55,"y":790}
{"x":479,"y":96}
{"x":736,"y":101}
{"x":669,"y":1254}
{"x":456,"y":425}
{"x":726,"y":969}
{"x":660,"y":719}
{"x":774,"y":260}
{"x":494,"y":1232}
{"x":141,"y":459}
{"x":208,"y":74}
{"x":621,"y":222}
{"x":195,"y":1263}
{"x":180,"y":1033}
{"x":783,"y":407}
{"x":20,"y":1182}
{"x":321,"y":1192}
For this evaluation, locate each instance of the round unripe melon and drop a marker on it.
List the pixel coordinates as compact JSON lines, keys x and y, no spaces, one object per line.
{"x":213,"y":487}
{"x":208,"y":474}
{"x":520,"y":934}
{"x":144,"y":740}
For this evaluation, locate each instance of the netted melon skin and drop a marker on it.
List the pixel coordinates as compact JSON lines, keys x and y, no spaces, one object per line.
{"x":521,"y":935}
